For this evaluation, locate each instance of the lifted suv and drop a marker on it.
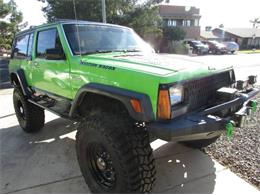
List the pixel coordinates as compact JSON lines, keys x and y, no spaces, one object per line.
{"x":121,"y":92}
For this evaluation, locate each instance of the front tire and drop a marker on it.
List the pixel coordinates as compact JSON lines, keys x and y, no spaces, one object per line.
{"x":29,"y":116}
{"x":114,"y":156}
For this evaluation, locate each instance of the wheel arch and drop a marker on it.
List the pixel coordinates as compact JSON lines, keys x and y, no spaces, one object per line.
{"x":115,"y":94}
{"x":17,"y":78}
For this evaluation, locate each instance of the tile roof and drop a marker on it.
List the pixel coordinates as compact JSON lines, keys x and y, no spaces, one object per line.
{"x":207,"y":35}
{"x":243,"y":32}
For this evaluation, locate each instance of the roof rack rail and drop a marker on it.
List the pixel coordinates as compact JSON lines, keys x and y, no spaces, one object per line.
{"x":67,"y":20}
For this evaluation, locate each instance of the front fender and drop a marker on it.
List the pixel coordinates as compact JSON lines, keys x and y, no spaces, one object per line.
{"x":122,"y":95}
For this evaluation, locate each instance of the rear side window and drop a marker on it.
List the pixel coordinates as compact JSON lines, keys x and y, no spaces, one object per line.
{"x":20,"y":47}
{"x":47,"y":39}
{"x":23,"y":46}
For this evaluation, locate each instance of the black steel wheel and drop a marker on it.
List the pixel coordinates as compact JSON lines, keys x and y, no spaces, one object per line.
{"x":100,"y":165}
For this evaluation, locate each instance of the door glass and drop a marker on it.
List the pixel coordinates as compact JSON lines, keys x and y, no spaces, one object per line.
{"x":48,"y":39}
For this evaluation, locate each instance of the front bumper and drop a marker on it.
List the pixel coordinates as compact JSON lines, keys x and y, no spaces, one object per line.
{"x":204,"y":124}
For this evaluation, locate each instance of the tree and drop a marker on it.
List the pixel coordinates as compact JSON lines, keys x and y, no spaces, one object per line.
{"x":173,"y":34}
{"x":208,"y":28}
{"x":255,"y":22}
{"x":10,"y":19}
{"x":171,"y":37}
{"x":142,"y":16}
{"x":221,"y":26}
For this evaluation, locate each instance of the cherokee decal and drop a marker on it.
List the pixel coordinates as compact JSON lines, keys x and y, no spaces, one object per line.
{"x":98,"y":65}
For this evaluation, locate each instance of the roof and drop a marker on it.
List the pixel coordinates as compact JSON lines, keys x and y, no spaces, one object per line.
{"x":68,"y":21}
{"x":207,"y":35}
{"x":178,"y":11}
{"x":243,"y":32}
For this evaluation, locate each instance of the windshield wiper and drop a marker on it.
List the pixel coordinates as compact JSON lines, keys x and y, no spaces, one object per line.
{"x":111,"y":51}
{"x":97,"y":51}
{"x":132,"y":50}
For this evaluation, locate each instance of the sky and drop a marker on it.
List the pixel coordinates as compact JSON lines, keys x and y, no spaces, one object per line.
{"x":231,"y":13}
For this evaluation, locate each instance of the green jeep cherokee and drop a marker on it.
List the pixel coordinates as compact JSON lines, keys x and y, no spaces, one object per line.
{"x":121,"y":93}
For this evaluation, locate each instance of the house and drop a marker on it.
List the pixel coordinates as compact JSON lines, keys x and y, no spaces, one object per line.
{"x":208,"y":35}
{"x":247,"y":38}
{"x":185,"y":17}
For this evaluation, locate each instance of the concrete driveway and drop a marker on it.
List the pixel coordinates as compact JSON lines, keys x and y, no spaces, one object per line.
{"x":46,"y":162}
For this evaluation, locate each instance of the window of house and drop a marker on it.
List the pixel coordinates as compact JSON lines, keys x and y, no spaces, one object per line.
{"x":196,"y":22}
{"x":20,"y":48}
{"x":183,"y":22}
{"x":47,"y":39}
{"x":171,"y":22}
{"x":188,"y":23}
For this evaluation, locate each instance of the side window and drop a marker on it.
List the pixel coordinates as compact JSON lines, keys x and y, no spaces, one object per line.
{"x":20,"y":47}
{"x":47,"y":39}
{"x":30,"y":45}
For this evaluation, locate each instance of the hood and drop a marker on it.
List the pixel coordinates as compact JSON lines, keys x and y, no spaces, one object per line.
{"x":160,"y":64}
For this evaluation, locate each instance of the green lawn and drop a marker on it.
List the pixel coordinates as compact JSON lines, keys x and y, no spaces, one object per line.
{"x":249,"y":51}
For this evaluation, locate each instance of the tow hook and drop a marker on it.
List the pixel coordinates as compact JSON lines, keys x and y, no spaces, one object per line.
{"x":253,"y":105}
{"x":230,"y":129}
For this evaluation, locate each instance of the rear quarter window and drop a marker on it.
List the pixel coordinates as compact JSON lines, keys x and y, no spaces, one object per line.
{"x":20,"y":46}
{"x":23,"y":46}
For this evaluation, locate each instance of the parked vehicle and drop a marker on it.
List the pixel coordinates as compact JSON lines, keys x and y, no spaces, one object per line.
{"x":231,"y":46}
{"x":216,"y":47}
{"x":120,"y":92}
{"x":198,"y":47}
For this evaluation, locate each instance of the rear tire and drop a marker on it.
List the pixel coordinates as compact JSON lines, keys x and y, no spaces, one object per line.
{"x":29,"y":116}
{"x":198,"y":144}
{"x":114,"y":156}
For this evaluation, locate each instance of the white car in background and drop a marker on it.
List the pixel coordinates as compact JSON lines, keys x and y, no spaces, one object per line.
{"x":231,"y":46}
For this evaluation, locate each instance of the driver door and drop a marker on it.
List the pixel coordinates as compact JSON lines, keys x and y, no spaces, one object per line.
{"x":49,"y":75}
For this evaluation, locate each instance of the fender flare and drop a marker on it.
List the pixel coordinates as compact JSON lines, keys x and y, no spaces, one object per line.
{"x":122,"y":95}
{"x":19,"y":74}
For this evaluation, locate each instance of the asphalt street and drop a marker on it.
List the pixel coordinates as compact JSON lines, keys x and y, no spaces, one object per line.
{"x":244,"y":64}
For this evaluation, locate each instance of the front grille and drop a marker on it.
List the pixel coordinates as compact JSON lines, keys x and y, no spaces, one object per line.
{"x":201,"y":92}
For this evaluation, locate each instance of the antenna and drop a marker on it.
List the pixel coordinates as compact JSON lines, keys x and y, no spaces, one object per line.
{"x":77,"y":27}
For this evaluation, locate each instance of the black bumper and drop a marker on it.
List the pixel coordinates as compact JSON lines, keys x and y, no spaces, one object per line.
{"x":202,"y":124}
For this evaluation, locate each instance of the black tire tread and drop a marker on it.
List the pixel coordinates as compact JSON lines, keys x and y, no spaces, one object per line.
{"x":131,"y":145}
{"x":34,"y":115}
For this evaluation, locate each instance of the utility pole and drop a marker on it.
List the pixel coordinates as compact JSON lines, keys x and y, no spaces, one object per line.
{"x":104,"y":17}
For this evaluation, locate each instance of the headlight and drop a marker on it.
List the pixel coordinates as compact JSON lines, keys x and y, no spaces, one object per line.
{"x":176,"y":94}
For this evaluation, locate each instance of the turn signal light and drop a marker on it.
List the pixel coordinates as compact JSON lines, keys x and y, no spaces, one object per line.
{"x":164,"y":105}
{"x":136,"y":105}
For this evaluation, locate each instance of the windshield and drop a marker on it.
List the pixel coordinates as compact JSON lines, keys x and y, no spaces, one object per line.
{"x":197,"y":43}
{"x":101,"y":39}
{"x":217,"y":43}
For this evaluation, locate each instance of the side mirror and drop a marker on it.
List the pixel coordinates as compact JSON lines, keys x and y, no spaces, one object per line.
{"x":14,"y":52}
{"x":55,"y":54}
